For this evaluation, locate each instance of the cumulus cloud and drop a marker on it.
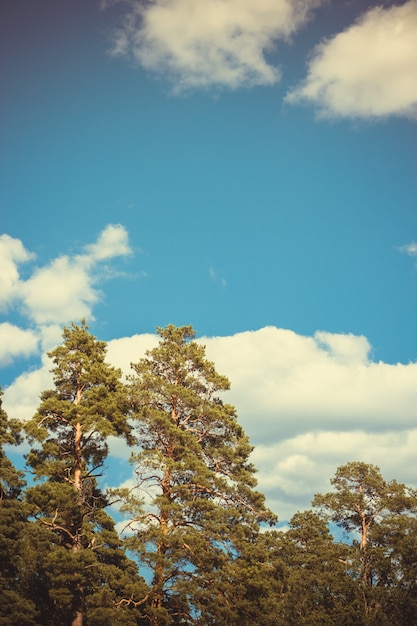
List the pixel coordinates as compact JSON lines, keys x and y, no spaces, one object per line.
{"x":12,"y":252}
{"x":59,"y":292}
{"x":293,"y":470}
{"x":204,"y":43}
{"x":50,"y":336}
{"x":126,"y":350}
{"x":284,"y":384}
{"x":63,"y":290}
{"x":113,"y":241}
{"x":21,"y":398}
{"x":367,"y":71}
{"x":54,"y":294}
{"x":16,"y":342}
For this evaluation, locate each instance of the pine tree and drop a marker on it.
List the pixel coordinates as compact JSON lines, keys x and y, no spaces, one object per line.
{"x":317,"y":586}
{"x":255,"y":582}
{"x":72,"y":425}
{"x":194,"y":507}
{"x":16,"y":606}
{"x":394,"y":561}
{"x":382,"y":514}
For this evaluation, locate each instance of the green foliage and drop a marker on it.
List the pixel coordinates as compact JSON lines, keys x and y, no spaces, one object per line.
{"x":361,"y":497}
{"x":84,"y":568}
{"x":194,"y":513}
{"x":16,"y":606}
{"x":87,"y":392}
{"x":317,"y":585}
{"x":194,"y":507}
{"x":383,"y":515}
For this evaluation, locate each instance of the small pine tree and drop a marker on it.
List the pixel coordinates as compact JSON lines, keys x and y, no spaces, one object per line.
{"x":383,"y":514}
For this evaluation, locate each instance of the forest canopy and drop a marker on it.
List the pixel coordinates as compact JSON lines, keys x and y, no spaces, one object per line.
{"x":201,"y":546}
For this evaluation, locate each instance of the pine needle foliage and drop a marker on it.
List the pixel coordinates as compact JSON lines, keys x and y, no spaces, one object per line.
{"x":16,"y":606}
{"x":194,"y":506}
{"x":70,"y":434}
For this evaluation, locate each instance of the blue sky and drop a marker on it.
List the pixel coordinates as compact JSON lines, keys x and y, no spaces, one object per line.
{"x":247,"y":169}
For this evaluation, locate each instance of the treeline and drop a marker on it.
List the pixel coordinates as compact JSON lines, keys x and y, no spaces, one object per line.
{"x":200,"y":547}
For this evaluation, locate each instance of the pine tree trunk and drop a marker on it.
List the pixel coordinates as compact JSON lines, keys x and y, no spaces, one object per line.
{"x":157,"y":585}
{"x":158,"y":579}
{"x":78,"y":602}
{"x":78,"y":613}
{"x":78,"y":468}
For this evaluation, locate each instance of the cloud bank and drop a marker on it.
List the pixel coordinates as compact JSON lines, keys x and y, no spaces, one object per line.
{"x":367,"y":71}
{"x":210,"y":43}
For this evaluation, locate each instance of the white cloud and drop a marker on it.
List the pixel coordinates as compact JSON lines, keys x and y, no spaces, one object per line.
{"x":204,"y":43}
{"x":16,"y":342}
{"x":21,"y":398}
{"x":59,"y":292}
{"x":51,"y":336}
{"x":367,"y":71}
{"x":344,"y":348}
{"x":284,"y":384}
{"x":287,"y":383}
{"x":113,"y":241}
{"x":65,"y":289}
{"x":409,"y":248}
{"x":122,"y":352}
{"x":293,"y":470}
{"x":12,"y":252}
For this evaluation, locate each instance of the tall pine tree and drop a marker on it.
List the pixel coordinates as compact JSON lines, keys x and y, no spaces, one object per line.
{"x":194,"y":507}
{"x":72,"y":425}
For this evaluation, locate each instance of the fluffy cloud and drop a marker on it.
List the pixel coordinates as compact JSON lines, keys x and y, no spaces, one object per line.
{"x":204,"y":43}
{"x":308,"y":404}
{"x":284,"y":384}
{"x":293,"y":470}
{"x":367,"y":71}
{"x":113,"y":241}
{"x":21,"y":398}
{"x":53,"y":294}
{"x":122,"y":352}
{"x":63,"y":290}
{"x":16,"y":342}
{"x":12,"y":252}
{"x":59,"y":292}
